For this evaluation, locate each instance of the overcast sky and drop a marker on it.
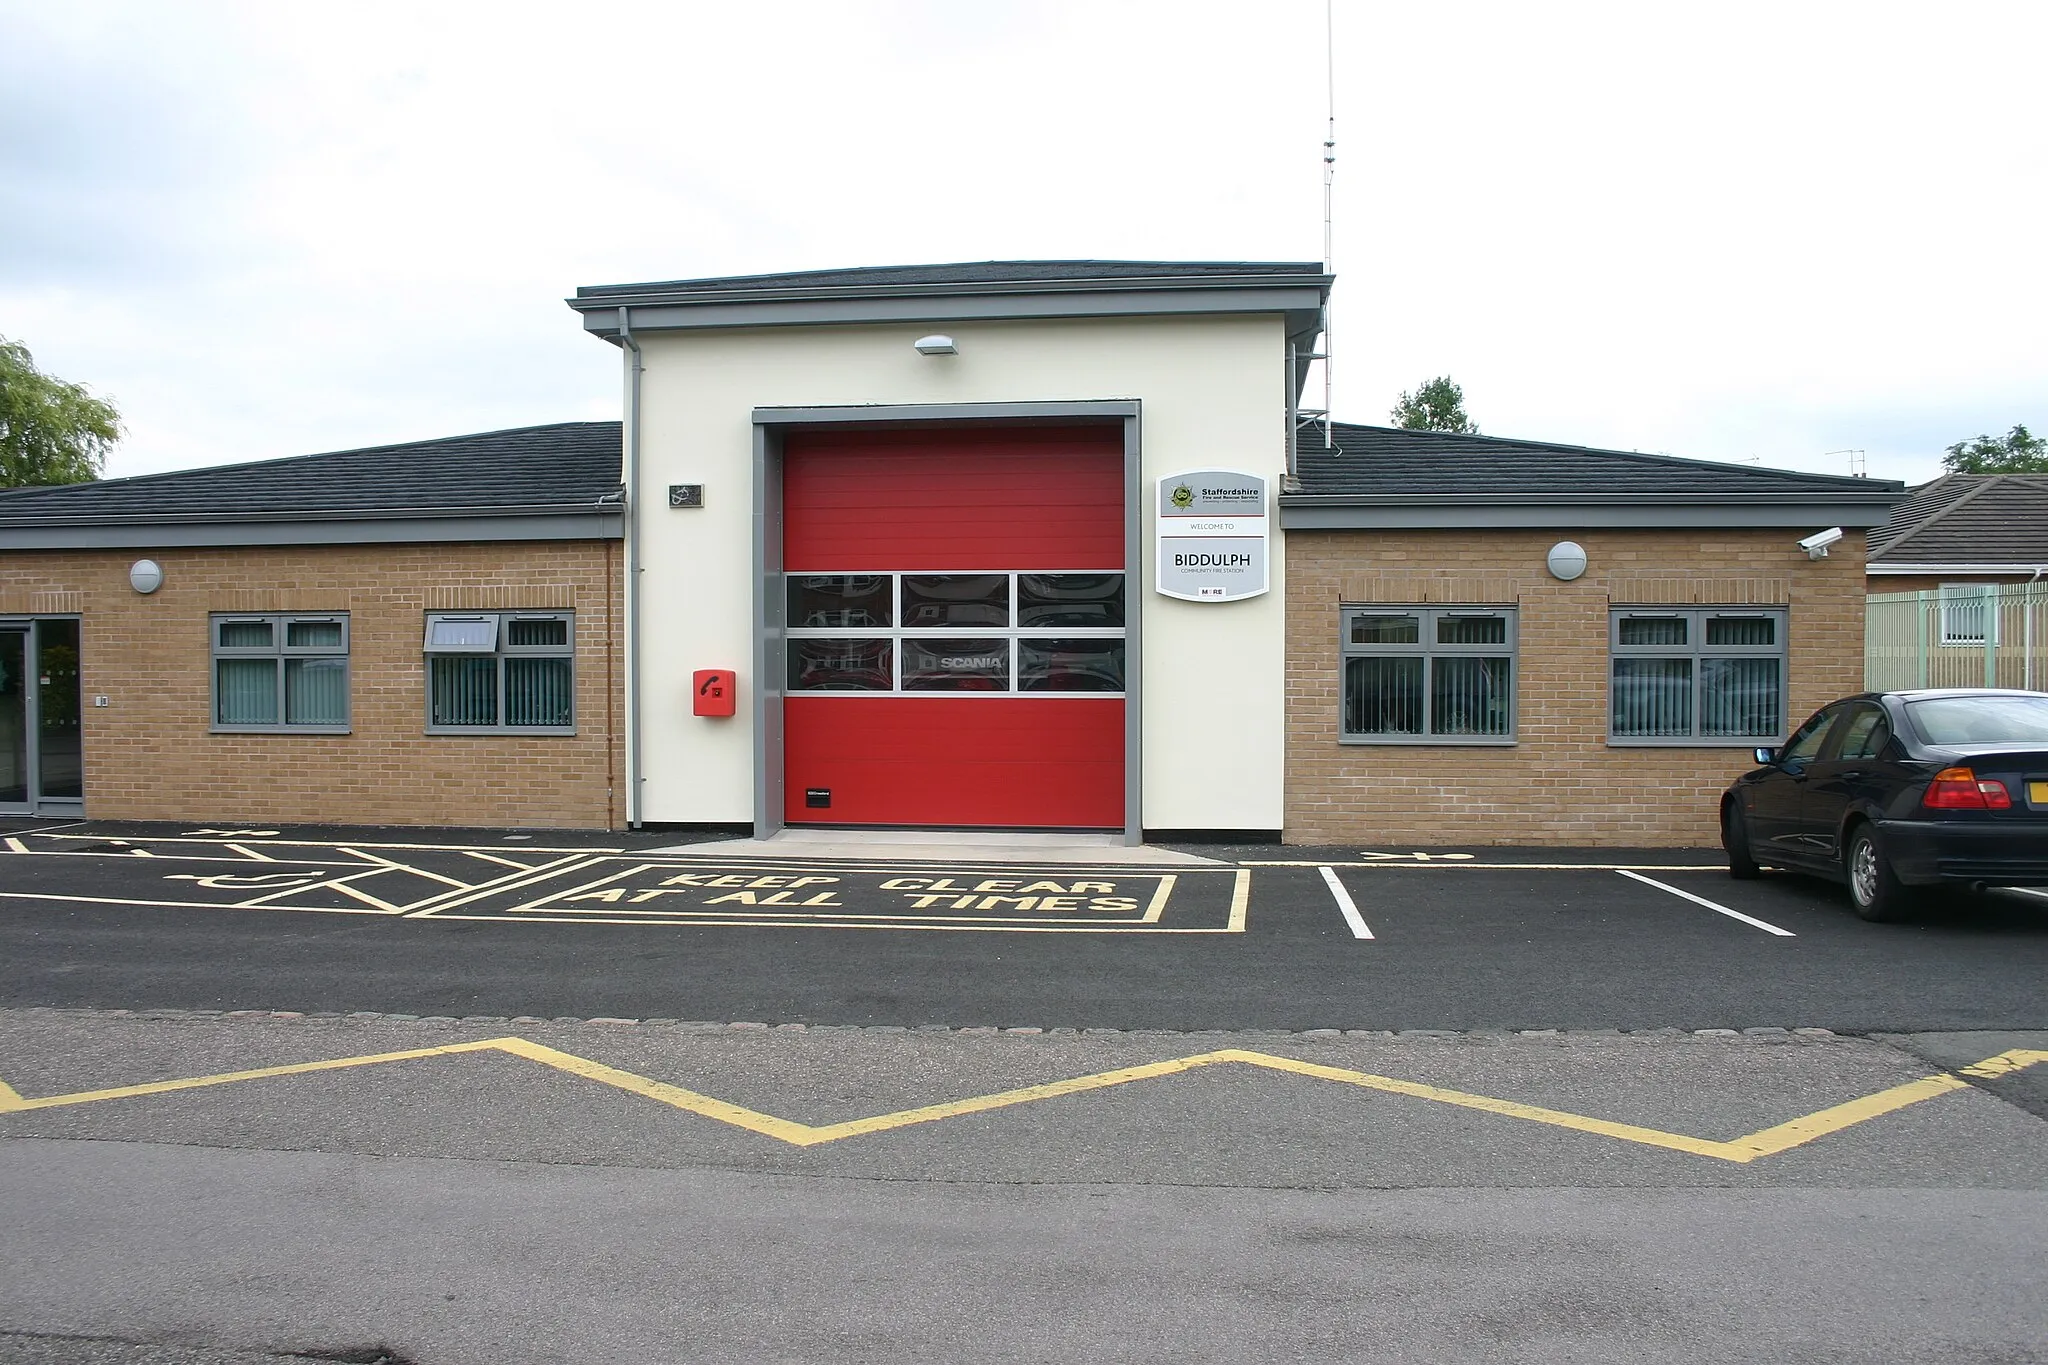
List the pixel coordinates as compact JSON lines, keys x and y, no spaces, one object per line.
{"x":1726,"y":231}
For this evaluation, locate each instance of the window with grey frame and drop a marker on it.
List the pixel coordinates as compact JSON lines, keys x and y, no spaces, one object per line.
{"x":510,"y":672}
{"x":1969,"y":613}
{"x":280,"y":672}
{"x":1696,"y":675}
{"x":1428,"y":675}
{"x":969,"y":633}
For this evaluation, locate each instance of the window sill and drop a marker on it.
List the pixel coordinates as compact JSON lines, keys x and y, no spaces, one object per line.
{"x":1430,"y":741}
{"x":280,"y":730}
{"x":500,"y":730}
{"x":1694,"y":742}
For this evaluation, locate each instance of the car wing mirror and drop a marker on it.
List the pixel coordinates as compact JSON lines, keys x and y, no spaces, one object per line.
{"x":1766,"y":756}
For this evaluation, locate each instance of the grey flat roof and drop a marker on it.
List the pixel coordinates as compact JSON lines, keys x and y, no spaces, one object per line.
{"x":966,"y":291}
{"x":869,"y":278}
{"x":1388,"y":477}
{"x":559,"y":481}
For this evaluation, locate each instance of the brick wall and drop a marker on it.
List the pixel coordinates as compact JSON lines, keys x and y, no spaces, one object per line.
{"x":149,"y":754}
{"x":1561,"y":783}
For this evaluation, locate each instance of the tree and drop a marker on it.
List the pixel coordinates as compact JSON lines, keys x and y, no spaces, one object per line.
{"x":50,"y":431}
{"x":1438,"y":405}
{"x":2017,"y":452}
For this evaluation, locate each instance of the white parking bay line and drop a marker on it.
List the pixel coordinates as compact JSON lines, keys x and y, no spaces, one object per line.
{"x":1345,"y":904}
{"x":1702,"y":900}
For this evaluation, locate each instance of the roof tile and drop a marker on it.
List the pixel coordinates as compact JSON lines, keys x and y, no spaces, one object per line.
{"x":560,"y":466}
{"x":1375,"y":462}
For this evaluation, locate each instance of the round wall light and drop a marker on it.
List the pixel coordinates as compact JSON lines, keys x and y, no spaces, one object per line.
{"x":1567,"y":560}
{"x":145,"y":576}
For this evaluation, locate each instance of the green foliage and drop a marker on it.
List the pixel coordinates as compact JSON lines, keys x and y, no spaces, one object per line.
{"x":2019,"y":451}
{"x":1438,"y":405}
{"x":50,"y":431}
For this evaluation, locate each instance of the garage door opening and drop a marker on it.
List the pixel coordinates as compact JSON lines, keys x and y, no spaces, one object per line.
{"x":956,"y":627}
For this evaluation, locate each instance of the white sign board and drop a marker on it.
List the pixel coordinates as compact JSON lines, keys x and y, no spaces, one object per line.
{"x":1212,"y":535}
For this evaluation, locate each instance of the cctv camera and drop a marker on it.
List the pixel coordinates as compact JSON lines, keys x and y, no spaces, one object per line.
{"x":1816,"y":545}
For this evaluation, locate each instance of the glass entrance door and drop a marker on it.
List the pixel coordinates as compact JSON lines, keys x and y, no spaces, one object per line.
{"x":14,"y":729}
{"x":42,"y":768}
{"x":60,"y":748}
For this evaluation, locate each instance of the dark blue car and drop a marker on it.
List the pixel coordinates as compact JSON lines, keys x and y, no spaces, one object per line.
{"x":1890,"y":792}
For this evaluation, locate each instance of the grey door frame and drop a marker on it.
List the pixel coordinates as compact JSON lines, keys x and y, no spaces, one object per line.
{"x":29,"y":628}
{"x":772,"y":424}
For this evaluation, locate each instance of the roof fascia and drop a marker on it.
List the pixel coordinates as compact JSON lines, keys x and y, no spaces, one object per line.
{"x":585,"y":525}
{"x":1950,"y":566}
{"x":1300,"y":304}
{"x":1298,"y":513}
{"x":1053,"y":413}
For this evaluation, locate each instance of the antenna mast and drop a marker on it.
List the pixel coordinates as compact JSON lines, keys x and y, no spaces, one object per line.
{"x":1329,"y":195}
{"x":1301,"y":418}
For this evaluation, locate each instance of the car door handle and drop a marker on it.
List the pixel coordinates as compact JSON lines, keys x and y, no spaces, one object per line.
{"x":1853,"y":773}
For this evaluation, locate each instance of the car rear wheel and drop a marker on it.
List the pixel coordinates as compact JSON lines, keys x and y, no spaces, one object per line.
{"x":1735,"y":842}
{"x":1874,"y":888}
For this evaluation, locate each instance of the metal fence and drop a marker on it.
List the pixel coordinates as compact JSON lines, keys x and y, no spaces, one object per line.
{"x":1974,"y":635}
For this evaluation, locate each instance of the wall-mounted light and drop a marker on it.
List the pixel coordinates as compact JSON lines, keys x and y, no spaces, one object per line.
{"x":1566,"y":560}
{"x":936,"y":344}
{"x":145,"y":576}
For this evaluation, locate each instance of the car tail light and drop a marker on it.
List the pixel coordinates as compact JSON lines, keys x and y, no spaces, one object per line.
{"x":1960,"y":789}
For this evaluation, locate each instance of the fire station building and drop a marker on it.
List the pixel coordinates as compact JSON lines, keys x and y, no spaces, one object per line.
{"x":1027,"y":545}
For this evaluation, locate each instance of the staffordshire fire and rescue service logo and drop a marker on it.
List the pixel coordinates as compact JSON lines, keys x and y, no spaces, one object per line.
{"x":1183,"y":497}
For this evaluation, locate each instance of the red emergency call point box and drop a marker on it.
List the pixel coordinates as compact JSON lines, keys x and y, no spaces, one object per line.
{"x":713,"y":690}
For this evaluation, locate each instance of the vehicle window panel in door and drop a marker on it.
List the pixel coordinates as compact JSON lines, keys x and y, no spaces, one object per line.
{"x":1070,"y":599}
{"x":861,"y":601}
{"x":1805,"y":745}
{"x":956,"y":600}
{"x":1864,"y":734}
{"x":1080,"y":664}
{"x":956,"y":665}
{"x":833,"y":664}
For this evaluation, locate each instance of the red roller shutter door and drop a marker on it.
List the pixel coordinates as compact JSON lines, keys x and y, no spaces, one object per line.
{"x":1005,"y":501}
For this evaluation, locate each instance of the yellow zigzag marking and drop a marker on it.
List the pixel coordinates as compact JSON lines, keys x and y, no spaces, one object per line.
{"x":1766,"y":1142}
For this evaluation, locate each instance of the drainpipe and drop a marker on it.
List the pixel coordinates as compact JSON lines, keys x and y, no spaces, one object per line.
{"x":632,"y":596}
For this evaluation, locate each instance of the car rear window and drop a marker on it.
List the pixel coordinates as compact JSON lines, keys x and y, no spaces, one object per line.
{"x":1982,"y":720}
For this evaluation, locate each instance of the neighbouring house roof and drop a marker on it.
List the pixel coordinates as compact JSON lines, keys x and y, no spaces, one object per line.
{"x":554,"y":482}
{"x":966,"y":291}
{"x":1986,"y":522}
{"x":1388,"y":477}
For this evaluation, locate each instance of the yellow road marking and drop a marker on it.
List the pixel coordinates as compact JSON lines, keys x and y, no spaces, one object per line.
{"x":1240,"y":900}
{"x":407,"y":867}
{"x":328,"y":843}
{"x":1159,"y":899}
{"x":248,"y":852}
{"x":1489,"y":867}
{"x":12,"y":1101}
{"x":188,"y":905}
{"x":511,"y":881}
{"x":679,"y":919}
{"x":494,"y":858}
{"x":15,"y":845}
{"x":1766,"y":1142}
{"x":1784,"y":1137}
{"x":342,"y":884}
{"x":2018,"y":1059}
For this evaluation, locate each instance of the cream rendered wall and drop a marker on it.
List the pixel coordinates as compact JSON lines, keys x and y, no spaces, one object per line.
{"x":1213,"y":393}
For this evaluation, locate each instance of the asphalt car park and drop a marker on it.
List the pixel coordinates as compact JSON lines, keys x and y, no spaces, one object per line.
{"x":547,"y":925}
